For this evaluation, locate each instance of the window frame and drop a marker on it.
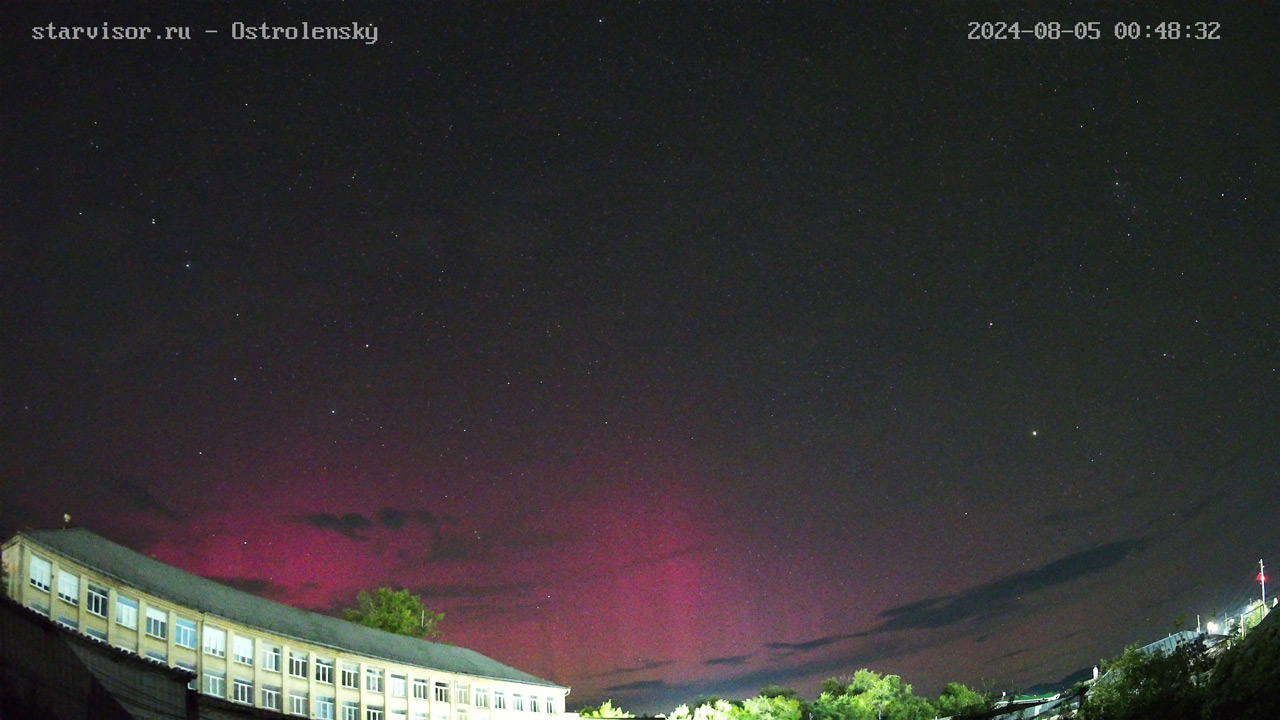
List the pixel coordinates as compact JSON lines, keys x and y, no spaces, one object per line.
{"x":441,"y":693}
{"x":272,"y":656}
{"x":352,"y":672}
{"x":298,"y":665}
{"x":372,"y":674}
{"x":294,"y":698}
{"x":499,"y":700}
{"x":97,"y":600}
{"x":220,"y":679}
{"x":241,"y":686}
{"x":157,"y":623}
{"x":63,"y":578}
{"x":127,"y":619}
{"x":327,"y":666}
{"x":46,"y":572}
{"x":236,"y":647}
{"x":480,"y":697}
{"x":274,"y":702}
{"x":220,"y":649}
{"x":399,"y":683}
{"x":183,"y":627}
{"x":424,"y":686}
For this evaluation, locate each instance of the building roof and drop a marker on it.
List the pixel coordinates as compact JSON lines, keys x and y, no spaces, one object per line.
{"x":198,"y":593}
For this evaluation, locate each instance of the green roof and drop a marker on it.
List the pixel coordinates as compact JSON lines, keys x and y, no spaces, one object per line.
{"x":192,"y":591}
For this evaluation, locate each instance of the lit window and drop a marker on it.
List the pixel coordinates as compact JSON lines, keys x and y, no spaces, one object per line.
{"x":482,"y":698}
{"x":242,"y":650}
{"x":420,"y":688}
{"x":462,"y":694}
{"x":373,"y":681}
{"x":399,"y":687}
{"x":271,"y":697}
{"x":215,"y":684}
{"x":157,"y":623}
{"x":499,"y":700}
{"x":96,"y":600}
{"x":184,"y":633}
{"x":40,"y":573}
{"x":298,"y":703}
{"x":126,"y":612}
{"x":271,"y":658}
{"x":517,"y":702}
{"x":69,"y":623}
{"x":350,"y":676}
{"x":215,"y":642}
{"x":68,"y":587}
{"x":373,"y":713}
{"x":242,"y":691}
{"x":442,"y":692}
{"x":324,"y":708}
{"x":95,"y":634}
{"x":298,"y":664}
{"x":324,"y":671}
{"x":350,"y":710}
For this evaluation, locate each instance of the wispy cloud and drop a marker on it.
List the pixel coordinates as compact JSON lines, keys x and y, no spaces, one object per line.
{"x":132,"y":491}
{"x":726,"y":660}
{"x":349,"y":525}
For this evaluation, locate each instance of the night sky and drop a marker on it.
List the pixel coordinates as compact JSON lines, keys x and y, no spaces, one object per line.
{"x":669,"y":349}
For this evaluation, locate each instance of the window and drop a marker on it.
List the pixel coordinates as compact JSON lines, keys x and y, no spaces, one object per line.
{"x":41,"y":571}
{"x":482,"y":698}
{"x":499,"y":700}
{"x":184,"y":633}
{"x":350,"y":710}
{"x":242,"y":691}
{"x":215,"y":684}
{"x":462,"y":714}
{"x":398,"y":715}
{"x":420,"y":688}
{"x":298,"y":703}
{"x":157,"y":623}
{"x":298,"y":664}
{"x":191,"y":668}
{"x":243,"y":650}
{"x":271,"y":697}
{"x":373,"y":681}
{"x":96,"y":601}
{"x":549,"y":705}
{"x":420,"y":715}
{"x":126,"y":612}
{"x":373,"y":713}
{"x":350,"y":676}
{"x":442,"y":692}
{"x":95,"y":634}
{"x":517,"y":702}
{"x":533,"y":703}
{"x":462,"y":694}
{"x":158,"y":657}
{"x":324,"y":671}
{"x":215,"y":642}
{"x":271,"y":658}
{"x":399,"y":686}
{"x":68,"y":587}
{"x":69,"y":623}
{"x":324,"y":708}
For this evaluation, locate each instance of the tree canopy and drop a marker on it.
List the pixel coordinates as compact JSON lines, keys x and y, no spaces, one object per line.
{"x":605,"y":710}
{"x":396,"y":611}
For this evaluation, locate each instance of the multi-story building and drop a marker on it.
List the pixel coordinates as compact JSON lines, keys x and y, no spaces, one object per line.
{"x":260,"y":653}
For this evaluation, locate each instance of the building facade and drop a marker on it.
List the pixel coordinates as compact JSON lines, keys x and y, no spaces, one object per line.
{"x":256,"y":652}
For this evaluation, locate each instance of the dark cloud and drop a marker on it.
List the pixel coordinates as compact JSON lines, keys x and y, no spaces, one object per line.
{"x":470,"y":591}
{"x":644,"y":666}
{"x":392,"y":518}
{"x":997,"y":598}
{"x":637,"y":685}
{"x":810,"y":644}
{"x":727,"y":660}
{"x":254,"y":586}
{"x":137,"y":495}
{"x":349,"y":525}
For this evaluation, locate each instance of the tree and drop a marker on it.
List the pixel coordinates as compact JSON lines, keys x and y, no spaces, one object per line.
{"x":396,"y":611}
{"x":1245,"y":684}
{"x":1138,"y":685}
{"x":957,"y":700}
{"x":870,"y":696}
{"x":605,"y":710}
{"x":773,"y":703}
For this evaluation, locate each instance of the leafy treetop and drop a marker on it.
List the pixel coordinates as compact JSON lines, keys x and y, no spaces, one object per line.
{"x":396,"y":611}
